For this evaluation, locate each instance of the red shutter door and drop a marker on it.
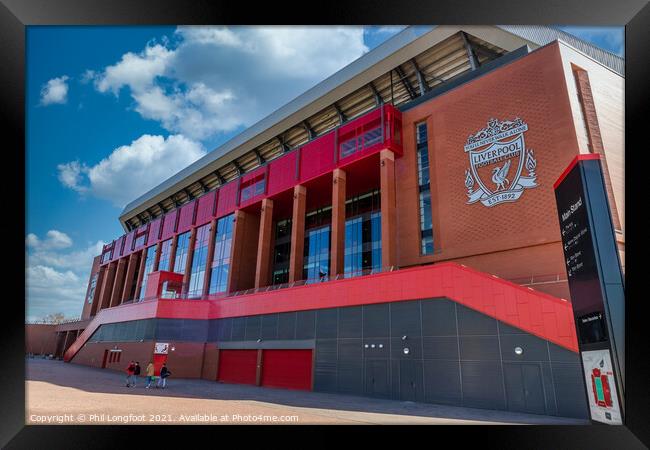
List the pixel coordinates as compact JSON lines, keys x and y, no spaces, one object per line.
{"x":237,"y":366}
{"x":289,"y":369}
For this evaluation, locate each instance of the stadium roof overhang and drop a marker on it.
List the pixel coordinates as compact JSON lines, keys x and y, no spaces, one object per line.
{"x":400,"y":70}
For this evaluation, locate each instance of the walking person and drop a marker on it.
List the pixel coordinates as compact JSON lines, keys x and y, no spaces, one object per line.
{"x":164,"y":373}
{"x":130,"y":370}
{"x":150,"y":372}
{"x":136,"y":372}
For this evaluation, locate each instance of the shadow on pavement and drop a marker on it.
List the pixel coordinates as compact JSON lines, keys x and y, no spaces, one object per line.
{"x":92,"y":379}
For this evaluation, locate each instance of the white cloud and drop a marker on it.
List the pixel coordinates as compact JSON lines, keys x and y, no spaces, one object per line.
{"x":131,"y":170}
{"x":54,"y":240}
{"x":217,"y":79}
{"x":56,"y":275}
{"x":55,"y":91}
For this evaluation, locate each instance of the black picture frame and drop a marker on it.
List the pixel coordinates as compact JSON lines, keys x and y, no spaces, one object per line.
{"x":15,"y":15}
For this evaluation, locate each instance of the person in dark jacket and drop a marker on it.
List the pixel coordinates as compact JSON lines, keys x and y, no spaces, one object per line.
{"x":129,"y":374}
{"x":164,"y":373}
{"x":136,"y":372}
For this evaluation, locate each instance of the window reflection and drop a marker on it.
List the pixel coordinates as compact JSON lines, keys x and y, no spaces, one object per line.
{"x":221,"y":257}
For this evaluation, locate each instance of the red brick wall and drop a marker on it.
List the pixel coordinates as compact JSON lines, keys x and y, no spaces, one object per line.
{"x":85,"y":313}
{"x":532,"y":89}
{"x":40,"y":339}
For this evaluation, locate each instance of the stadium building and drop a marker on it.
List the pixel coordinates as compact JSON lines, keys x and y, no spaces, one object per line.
{"x":391,"y":232}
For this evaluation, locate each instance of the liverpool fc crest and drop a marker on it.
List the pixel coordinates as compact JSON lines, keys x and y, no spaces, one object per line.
{"x":497,"y":158}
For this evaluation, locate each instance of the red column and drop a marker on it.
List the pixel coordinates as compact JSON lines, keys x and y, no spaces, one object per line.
{"x":118,"y":285}
{"x":107,"y":286}
{"x":297,"y":233}
{"x":388,"y":208}
{"x":130,"y":272}
{"x":98,"y":291}
{"x":263,"y":266}
{"x":172,"y":254}
{"x":338,"y":222}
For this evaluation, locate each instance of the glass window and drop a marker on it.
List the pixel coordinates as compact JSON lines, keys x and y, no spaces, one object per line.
{"x":424,"y":185}
{"x":281,"y":252}
{"x":199,"y":261}
{"x":363,"y":233}
{"x":140,"y":240}
{"x":148,"y":268}
{"x":165,"y":253}
{"x":317,"y":253}
{"x":182,"y":246}
{"x":221,"y":257}
{"x":93,"y":285}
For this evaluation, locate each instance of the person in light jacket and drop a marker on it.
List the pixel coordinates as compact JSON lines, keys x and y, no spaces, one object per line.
{"x":164,"y":373}
{"x":150,"y":376}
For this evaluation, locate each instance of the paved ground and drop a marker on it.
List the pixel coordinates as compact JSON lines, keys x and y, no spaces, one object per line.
{"x":62,"y":393}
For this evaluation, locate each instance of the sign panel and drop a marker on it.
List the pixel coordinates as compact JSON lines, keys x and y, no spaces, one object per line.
{"x":161,"y":348}
{"x":596,"y":285}
{"x":601,"y":387}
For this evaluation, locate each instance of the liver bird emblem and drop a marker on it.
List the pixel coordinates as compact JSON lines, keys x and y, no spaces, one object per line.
{"x":499,"y":175}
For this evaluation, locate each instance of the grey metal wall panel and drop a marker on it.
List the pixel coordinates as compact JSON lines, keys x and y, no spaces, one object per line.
{"x":569,"y":390}
{"x":472,"y":322}
{"x":350,"y":322}
{"x":327,"y":323}
{"x":195,"y":330}
{"x":534,"y":349}
{"x":524,"y":387}
{"x":325,"y":365}
{"x":504,"y":328}
{"x":414,"y":346}
{"x":270,"y":326}
{"x":559,"y":354}
{"x":377,"y":378}
{"x":151,"y":329}
{"x":438,"y":317}
{"x":305,"y":324}
{"x":287,"y":325}
{"x":169,"y":329}
{"x":442,"y":382}
{"x":549,"y":389}
{"x":440,"y":347}
{"x":479,"y":348}
{"x":394,"y":379}
{"x":376,"y":320}
{"x":405,"y":319}
{"x":376,"y":348}
{"x":350,"y":366}
{"x":253,"y":328}
{"x":483,"y":384}
{"x":411,"y":383}
{"x":225,"y":329}
{"x":238,"y":329}
{"x":213,"y":330}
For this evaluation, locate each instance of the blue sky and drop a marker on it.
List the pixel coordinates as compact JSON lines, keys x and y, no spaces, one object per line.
{"x":113,"y":111}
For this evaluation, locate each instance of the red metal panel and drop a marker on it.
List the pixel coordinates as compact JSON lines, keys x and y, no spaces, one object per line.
{"x":247,"y":186}
{"x":169,"y":222}
{"x":186,"y":217}
{"x":281,"y":174}
{"x":316,"y":157}
{"x":238,"y":366}
{"x":128,"y":243}
{"x":205,"y":208}
{"x":227,"y":199}
{"x":154,"y":231}
{"x":289,"y":369}
{"x":141,"y":237}
{"x":425,"y":282}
